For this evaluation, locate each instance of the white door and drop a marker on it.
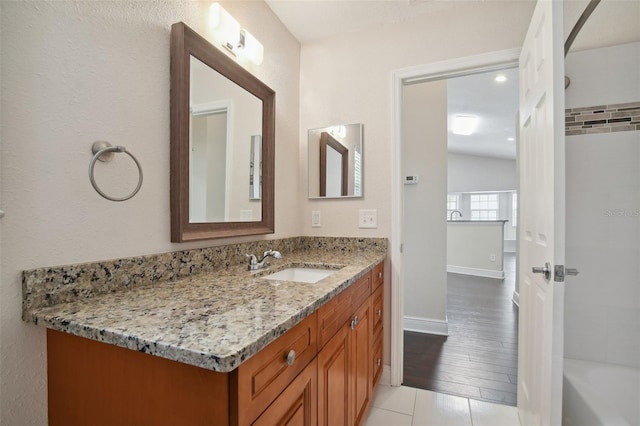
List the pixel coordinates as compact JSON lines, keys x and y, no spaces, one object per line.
{"x":541,"y":217}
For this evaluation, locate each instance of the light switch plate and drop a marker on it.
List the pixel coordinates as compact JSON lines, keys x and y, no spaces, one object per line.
{"x":246,"y":215}
{"x":315,"y":219}
{"x":368,"y":218}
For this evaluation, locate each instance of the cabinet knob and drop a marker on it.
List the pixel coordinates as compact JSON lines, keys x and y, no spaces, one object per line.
{"x":291,"y":357}
{"x":378,"y":362}
{"x":354,"y":322}
{"x":379,"y":312}
{"x":380,"y":275}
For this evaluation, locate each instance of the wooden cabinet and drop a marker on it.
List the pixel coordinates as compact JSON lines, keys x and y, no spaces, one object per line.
{"x":360,"y":362}
{"x":345,"y":374}
{"x":322,"y":371}
{"x":259,"y":380}
{"x":333,"y":379}
{"x":297,"y":404}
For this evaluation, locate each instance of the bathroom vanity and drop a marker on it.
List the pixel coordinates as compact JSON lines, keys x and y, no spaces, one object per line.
{"x":225,"y":346}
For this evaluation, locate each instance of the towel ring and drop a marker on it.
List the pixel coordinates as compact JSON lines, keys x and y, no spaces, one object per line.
{"x":103,"y":151}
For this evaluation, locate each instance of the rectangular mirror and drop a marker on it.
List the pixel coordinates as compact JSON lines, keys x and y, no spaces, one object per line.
{"x":222,"y":144}
{"x":336,"y":161}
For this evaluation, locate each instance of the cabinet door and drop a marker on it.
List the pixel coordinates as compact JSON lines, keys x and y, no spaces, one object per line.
{"x":297,"y":404}
{"x":376,"y":362}
{"x":360,"y":362}
{"x":333,"y":380}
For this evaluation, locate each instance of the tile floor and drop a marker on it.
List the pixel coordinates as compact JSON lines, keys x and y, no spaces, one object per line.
{"x":405,"y":406}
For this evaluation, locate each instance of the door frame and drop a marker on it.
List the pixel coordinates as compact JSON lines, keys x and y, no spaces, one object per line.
{"x":491,"y":61}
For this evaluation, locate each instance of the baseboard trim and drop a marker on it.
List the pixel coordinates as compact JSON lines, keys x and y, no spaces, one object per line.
{"x":516,"y":298}
{"x":427,"y":326}
{"x":487,"y":273}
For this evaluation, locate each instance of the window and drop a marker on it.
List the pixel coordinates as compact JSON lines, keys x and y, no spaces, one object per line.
{"x":484,"y":206}
{"x":514,"y":209}
{"x":453,"y":201}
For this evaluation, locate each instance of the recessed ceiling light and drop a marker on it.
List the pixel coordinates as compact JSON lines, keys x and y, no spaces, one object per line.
{"x":464,"y":124}
{"x":511,"y":139}
{"x":501,"y":78}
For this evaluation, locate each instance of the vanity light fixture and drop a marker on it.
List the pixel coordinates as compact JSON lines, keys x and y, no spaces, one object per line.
{"x":464,"y":124}
{"x":511,"y":139}
{"x":501,"y":78}
{"x":236,"y":40}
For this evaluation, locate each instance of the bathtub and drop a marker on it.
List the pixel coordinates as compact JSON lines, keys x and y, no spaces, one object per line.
{"x":597,"y":394}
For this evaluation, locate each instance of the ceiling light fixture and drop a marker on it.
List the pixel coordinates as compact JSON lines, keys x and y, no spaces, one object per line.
{"x":464,"y":124}
{"x":501,"y":78}
{"x":236,"y":40}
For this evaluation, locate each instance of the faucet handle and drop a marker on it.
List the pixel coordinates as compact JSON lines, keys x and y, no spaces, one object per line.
{"x":254,"y":259}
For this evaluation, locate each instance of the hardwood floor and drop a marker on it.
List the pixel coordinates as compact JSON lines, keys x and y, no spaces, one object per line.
{"x":479,"y":358}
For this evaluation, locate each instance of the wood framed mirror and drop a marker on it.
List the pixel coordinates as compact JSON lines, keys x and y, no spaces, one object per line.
{"x":218,"y":109}
{"x":334,"y":157}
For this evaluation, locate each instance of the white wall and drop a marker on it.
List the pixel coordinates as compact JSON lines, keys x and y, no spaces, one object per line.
{"x":472,"y":245}
{"x":76,"y":72}
{"x":470,"y":173}
{"x":608,"y":75}
{"x":425,"y":238}
{"x":602,"y":304}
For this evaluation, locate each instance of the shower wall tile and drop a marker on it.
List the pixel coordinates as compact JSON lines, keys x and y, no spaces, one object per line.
{"x":602,"y":119}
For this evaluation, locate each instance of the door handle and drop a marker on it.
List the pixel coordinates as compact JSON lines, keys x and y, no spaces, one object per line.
{"x":546,"y":270}
{"x":561,"y":271}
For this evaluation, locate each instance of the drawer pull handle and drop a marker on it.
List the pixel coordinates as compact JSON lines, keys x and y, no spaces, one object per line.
{"x":354,"y":322}
{"x":380,"y":275}
{"x":378,"y":362}
{"x":379,"y":312}
{"x":291,"y":357}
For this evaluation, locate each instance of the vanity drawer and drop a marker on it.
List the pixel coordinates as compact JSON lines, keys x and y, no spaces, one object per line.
{"x":377,"y":303}
{"x":332,"y":315}
{"x":263,"y":377}
{"x":360,"y":291}
{"x":378,"y":275}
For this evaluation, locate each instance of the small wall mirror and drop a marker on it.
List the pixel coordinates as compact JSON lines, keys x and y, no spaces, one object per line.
{"x":222,"y":143}
{"x":335,"y":161}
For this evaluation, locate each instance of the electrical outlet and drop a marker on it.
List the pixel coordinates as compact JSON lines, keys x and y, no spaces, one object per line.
{"x":368,"y":218}
{"x":315,"y":219}
{"x":492,"y":257}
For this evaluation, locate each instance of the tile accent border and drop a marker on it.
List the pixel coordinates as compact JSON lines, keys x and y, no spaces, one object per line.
{"x":50,"y":286}
{"x":602,"y":119}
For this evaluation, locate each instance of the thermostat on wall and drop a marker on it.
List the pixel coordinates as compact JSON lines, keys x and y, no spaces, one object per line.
{"x":411,"y":180}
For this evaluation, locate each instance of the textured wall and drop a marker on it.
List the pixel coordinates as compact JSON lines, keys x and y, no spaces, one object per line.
{"x":347,"y":79}
{"x":76,"y":72}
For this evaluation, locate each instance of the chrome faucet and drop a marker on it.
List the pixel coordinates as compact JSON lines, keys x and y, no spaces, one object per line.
{"x":453,"y":212}
{"x":255,"y":264}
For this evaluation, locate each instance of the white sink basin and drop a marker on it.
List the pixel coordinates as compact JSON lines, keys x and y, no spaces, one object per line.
{"x":301,"y":275}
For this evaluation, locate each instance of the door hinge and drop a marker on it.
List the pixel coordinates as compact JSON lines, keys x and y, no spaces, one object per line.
{"x":560,"y":271}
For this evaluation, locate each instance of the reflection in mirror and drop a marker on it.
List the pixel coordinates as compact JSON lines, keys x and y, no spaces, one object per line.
{"x":335,"y":161}
{"x":222,"y":142}
{"x":255,"y":168}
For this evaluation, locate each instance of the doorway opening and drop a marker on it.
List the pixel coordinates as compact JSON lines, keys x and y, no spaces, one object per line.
{"x":471,"y":350}
{"x":432,"y":251}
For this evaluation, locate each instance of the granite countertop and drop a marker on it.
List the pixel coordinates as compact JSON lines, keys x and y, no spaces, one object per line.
{"x":214,"y":320}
